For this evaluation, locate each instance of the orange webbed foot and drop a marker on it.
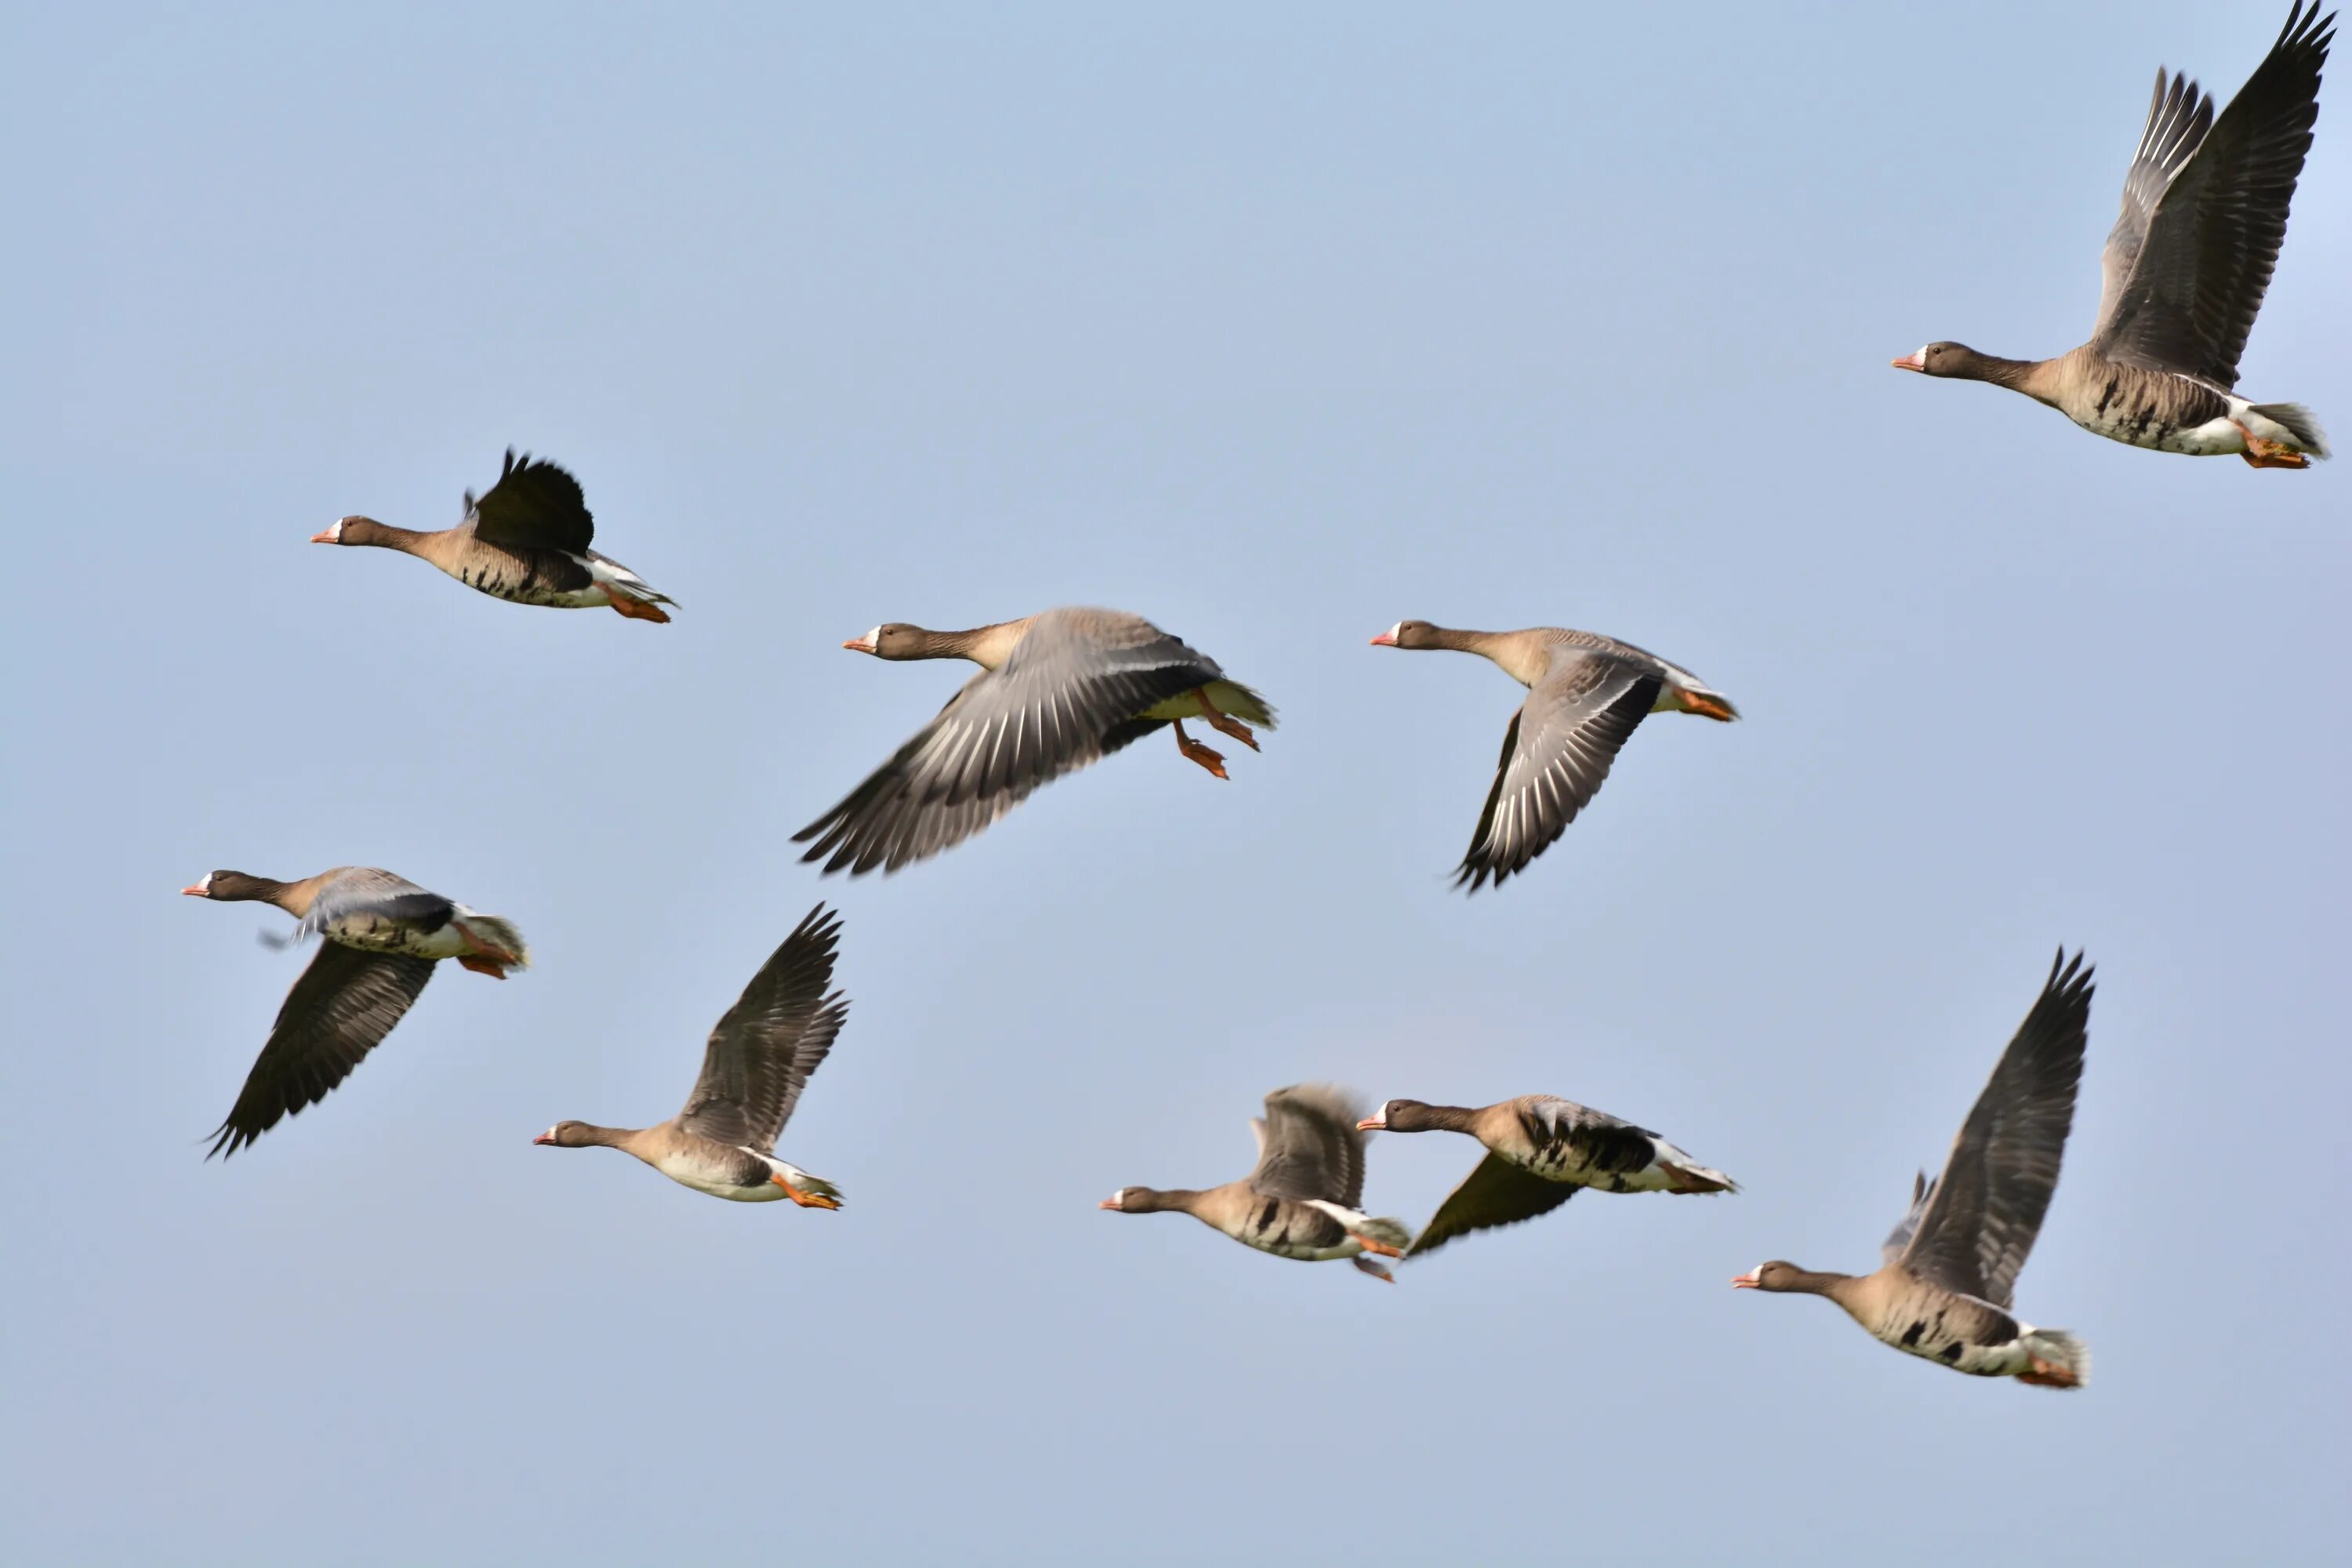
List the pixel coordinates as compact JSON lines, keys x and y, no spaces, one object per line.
{"x":638,"y":609}
{"x":1380,"y":1249}
{"x":806,"y":1200}
{"x":1223,"y":723}
{"x":1197,"y":753}
{"x":481,"y":965}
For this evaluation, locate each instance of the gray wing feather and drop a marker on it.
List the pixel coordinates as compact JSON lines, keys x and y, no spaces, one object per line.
{"x":1069,"y":693}
{"x":1900,"y":1236}
{"x":763,"y":1051}
{"x":1978,"y":1217}
{"x":1309,"y":1147}
{"x":1555,"y":757}
{"x":344,"y":1003}
{"x":2205,"y":210}
{"x":365,"y":890}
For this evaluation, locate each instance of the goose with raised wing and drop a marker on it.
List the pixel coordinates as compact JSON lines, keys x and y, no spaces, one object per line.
{"x":1585,"y":694}
{"x":1540,"y":1149}
{"x":754,"y":1066}
{"x":1944,"y":1290}
{"x":1304,"y":1198}
{"x":1055,"y":691}
{"x":525,"y":541}
{"x":2185,"y":266}
{"x":380,"y":937}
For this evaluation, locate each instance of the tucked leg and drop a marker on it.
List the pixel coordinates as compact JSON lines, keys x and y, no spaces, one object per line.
{"x":2261,"y":454}
{"x":1374,"y":1269}
{"x":1382,"y":1248}
{"x":481,"y":965}
{"x":636,"y":609}
{"x":1223,"y":723}
{"x":806,"y":1200}
{"x":1198,"y":753}
{"x":2049,"y":1374}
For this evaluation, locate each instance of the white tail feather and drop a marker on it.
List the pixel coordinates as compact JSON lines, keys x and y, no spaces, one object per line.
{"x":493,"y":930}
{"x":2298,"y":422}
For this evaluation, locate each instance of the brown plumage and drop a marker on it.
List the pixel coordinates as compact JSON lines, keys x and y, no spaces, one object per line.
{"x":2204,"y":212}
{"x":380,"y":937}
{"x":1950,"y":1268}
{"x":1586,"y":693}
{"x":1055,"y":691}
{"x":757,"y":1061}
{"x":525,"y":542}
{"x":1540,"y":1149}
{"x":1303,"y":1198}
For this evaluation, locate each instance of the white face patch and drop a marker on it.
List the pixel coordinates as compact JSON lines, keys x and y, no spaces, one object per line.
{"x":1113,"y":1201}
{"x":1392,"y":636}
{"x":873,"y":638}
{"x":335,"y":531}
{"x":206,"y":886}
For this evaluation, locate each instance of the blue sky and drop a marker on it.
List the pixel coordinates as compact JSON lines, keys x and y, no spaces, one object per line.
{"x":1274,"y":328}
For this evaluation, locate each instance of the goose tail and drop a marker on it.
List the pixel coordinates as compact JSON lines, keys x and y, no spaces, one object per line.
{"x":2060,"y":1360}
{"x":2298,"y":422}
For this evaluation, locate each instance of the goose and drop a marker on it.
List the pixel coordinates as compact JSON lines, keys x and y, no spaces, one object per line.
{"x":1943,"y":1290}
{"x":757,"y":1062}
{"x":1055,"y":690}
{"x":1539,"y":1150}
{"x":382,"y":935}
{"x":1585,"y":694}
{"x":1302,"y":1201}
{"x":525,"y":542}
{"x":2204,"y":212}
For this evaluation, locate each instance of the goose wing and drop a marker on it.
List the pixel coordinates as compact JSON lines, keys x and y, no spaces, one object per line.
{"x":1072,"y":691}
{"x":763,"y":1051}
{"x":2205,"y":208}
{"x":345,"y":1001}
{"x":1309,"y":1147}
{"x":1979,"y":1218}
{"x":1555,"y":756}
{"x":534,"y":505}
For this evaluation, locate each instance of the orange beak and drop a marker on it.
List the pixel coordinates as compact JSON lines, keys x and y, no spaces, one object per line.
{"x":542,"y":1138}
{"x":858,"y":645}
{"x":1107,"y":1203}
{"x":196,"y":892}
{"x":1743,"y":1281}
{"x":1918,"y":362}
{"x":1386,"y":639}
{"x":325,"y":536}
{"x":1371,"y":1124}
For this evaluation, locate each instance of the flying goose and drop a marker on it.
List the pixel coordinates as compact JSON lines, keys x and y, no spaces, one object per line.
{"x":1055,"y":690}
{"x":1302,"y":1200}
{"x":758,"y":1060}
{"x":1539,"y":1150}
{"x":1585,"y":694}
{"x":382,"y":935}
{"x":2204,"y":211}
{"x":1944,"y":1290}
{"x":526,"y":541}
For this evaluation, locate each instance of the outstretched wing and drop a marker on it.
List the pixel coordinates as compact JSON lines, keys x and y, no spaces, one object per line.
{"x":1981,"y":1214}
{"x":534,"y":505}
{"x":1555,"y":757}
{"x":346,"y":1000}
{"x":1072,"y":691}
{"x":761,"y":1053}
{"x":2204,"y":211}
{"x":1495,"y":1193}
